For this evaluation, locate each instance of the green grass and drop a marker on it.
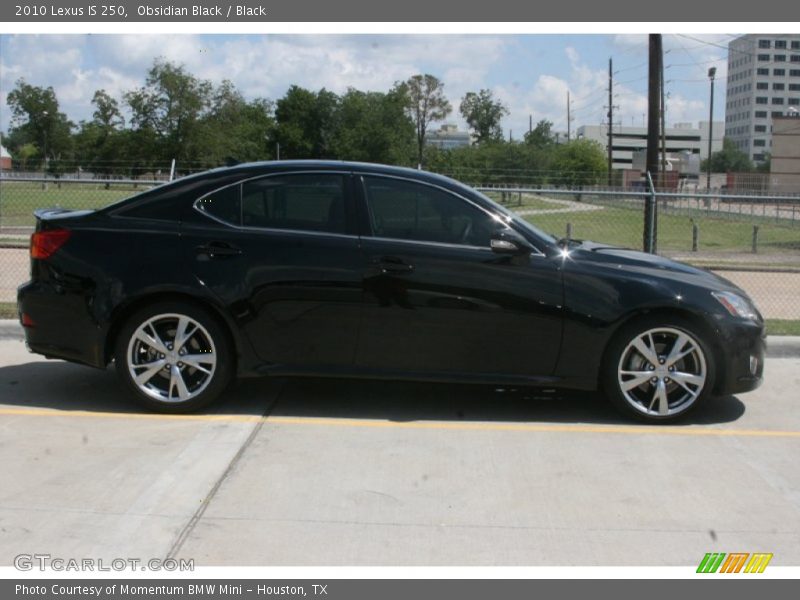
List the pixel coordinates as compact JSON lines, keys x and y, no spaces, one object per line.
{"x":18,"y":200}
{"x":623,"y":227}
{"x":783,"y":327}
{"x":529,"y":201}
{"x":8,"y":310}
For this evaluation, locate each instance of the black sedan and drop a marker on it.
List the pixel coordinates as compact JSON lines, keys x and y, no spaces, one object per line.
{"x":345,"y":269}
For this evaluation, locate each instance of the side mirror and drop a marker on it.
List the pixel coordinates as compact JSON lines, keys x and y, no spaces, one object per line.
{"x":510,"y":243}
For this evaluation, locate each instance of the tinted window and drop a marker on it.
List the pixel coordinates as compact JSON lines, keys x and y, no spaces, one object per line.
{"x":308,"y":202}
{"x":223,"y":204}
{"x":410,"y":211}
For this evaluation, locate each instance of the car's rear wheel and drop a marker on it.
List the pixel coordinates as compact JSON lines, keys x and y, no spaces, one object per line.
{"x":658,"y":370}
{"x":174,"y":357}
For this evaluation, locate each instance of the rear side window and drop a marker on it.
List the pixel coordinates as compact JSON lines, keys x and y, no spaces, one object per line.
{"x":223,"y":205}
{"x":306,"y":202}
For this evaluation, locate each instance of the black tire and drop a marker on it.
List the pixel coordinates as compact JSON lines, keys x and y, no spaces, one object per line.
{"x":621,"y":361}
{"x":201,"y":382}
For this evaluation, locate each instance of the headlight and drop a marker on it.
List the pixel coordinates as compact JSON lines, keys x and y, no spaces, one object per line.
{"x":736,"y":305}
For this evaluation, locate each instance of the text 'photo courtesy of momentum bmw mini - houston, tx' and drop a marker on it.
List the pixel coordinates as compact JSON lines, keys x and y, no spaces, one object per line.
{"x":347,"y":269}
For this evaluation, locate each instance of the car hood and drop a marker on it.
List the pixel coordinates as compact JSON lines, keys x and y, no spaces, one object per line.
{"x":650,"y":264}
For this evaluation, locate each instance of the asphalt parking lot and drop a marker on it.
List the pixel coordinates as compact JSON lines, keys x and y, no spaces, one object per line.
{"x":314,"y":472}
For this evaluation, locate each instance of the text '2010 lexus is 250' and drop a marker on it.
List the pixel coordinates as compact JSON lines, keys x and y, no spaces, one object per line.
{"x":346,"y":269}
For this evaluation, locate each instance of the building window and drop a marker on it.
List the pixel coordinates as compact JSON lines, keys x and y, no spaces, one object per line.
{"x":779,"y":58}
{"x":777,"y":113}
{"x":794,"y":72}
{"x":763,"y":43}
{"x":795,"y":45}
{"x":763,"y":57}
{"x":758,"y":157}
{"x":760,"y":129}
{"x":794,"y":101}
{"x":777,"y":100}
{"x":780,"y":44}
{"x":761,"y":114}
{"x":779,"y":72}
{"x":759,"y":143}
{"x":762,"y":71}
{"x":762,"y":85}
{"x":761,"y":100}
{"x":794,"y":87}
{"x":778,"y":86}
{"x":796,"y":58}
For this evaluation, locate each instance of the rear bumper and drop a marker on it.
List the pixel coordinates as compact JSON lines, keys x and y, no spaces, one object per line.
{"x":743,"y":346}
{"x":62,"y":326}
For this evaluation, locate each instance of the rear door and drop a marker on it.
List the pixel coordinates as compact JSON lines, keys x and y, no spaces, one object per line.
{"x":439,"y":300}
{"x":281,"y":252}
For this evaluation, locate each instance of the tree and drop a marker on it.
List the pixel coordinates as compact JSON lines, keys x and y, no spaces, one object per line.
{"x":235,"y":129}
{"x":36,"y":119}
{"x":98,"y":142}
{"x":728,"y":160}
{"x":425,"y":104}
{"x":483,"y":114}
{"x":579,"y":162}
{"x":373,"y":127}
{"x":541,"y":136}
{"x":168,"y":109}
{"x":305,"y":123}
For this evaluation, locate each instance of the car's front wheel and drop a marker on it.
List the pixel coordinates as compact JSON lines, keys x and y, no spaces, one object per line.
{"x":658,"y":370}
{"x":174,"y":357}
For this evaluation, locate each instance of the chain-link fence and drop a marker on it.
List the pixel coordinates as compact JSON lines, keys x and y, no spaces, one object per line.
{"x":753,"y":239}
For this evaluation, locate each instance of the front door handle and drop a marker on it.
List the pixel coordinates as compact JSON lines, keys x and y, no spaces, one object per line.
{"x":393,"y":265}
{"x":218,"y":250}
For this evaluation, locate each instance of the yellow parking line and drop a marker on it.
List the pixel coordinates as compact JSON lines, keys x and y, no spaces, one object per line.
{"x":437,"y":425}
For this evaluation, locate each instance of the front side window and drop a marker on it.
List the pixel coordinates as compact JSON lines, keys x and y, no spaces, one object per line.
{"x":304,"y":202}
{"x":406,"y":210}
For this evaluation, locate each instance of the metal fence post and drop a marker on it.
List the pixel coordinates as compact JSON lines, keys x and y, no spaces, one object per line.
{"x":695,"y":236}
{"x":650,"y":218}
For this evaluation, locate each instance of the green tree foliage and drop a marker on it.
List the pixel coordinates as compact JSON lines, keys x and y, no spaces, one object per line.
{"x":425,"y":104}
{"x":36,"y":119}
{"x":541,"y":136}
{"x":305,"y":123}
{"x":728,"y":160}
{"x":168,"y":110}
{"x":579,"y":162}
{"x":235,"y":129}
{"x":483,"y":115}
{"x":373,"y":127}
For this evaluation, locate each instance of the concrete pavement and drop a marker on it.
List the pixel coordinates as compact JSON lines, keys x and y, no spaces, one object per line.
{"x":315,"y":472}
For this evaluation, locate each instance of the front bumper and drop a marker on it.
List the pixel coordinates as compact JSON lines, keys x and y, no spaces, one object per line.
{"x":742,"y":347}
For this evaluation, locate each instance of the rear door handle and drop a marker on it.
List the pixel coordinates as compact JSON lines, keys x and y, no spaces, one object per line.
{"x":218,"y":249}
{"x":393,"y":264}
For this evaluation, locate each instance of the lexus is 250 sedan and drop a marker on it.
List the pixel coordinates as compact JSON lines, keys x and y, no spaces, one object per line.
{"x":347,"y":269}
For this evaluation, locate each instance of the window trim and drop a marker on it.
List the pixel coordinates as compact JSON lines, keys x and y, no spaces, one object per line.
{"x":241,"y":183}
{"x":361,"y":175}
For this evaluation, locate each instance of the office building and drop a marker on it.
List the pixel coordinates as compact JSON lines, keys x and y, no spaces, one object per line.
{"x":763,"y":85}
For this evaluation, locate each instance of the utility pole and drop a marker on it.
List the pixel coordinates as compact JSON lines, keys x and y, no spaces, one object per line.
{"x":530,"y":123}
{"x":711,"y":73}
{"x":610,"y":121}
{"x":653,"y":103}
{"x":569,"y":119}
{"x":663,"y":112}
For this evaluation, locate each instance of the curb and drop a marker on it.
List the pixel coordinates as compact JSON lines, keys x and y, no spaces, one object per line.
{"x":778,"y":346}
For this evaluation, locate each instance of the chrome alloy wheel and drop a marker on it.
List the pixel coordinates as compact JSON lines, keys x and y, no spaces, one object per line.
{"x":662,"y":371}
{"x":171,"y":358}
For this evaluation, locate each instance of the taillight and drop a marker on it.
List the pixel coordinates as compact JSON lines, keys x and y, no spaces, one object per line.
{"x":45,"y":243}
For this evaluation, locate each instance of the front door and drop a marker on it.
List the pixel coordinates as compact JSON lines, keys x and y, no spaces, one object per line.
{"x":438,"y":300}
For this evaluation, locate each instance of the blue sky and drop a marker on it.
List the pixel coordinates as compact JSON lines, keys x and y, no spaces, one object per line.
{"x":529,"y":73}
